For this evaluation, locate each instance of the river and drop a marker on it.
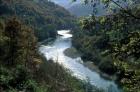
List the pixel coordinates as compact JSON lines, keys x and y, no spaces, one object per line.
{"x":56,"y":50}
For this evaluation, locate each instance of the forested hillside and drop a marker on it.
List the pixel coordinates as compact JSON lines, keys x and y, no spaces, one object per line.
{"x":22,"y":68}
{"x":43,"y":16}
{"x":112,"y":43}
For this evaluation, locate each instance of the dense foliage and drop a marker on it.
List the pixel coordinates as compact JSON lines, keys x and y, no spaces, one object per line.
{"x":23,"y":69}
{"x":112,"y":43}
{"x":43,"y":16}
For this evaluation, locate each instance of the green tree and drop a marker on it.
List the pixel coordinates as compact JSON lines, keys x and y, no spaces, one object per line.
{"x":22,"y":42}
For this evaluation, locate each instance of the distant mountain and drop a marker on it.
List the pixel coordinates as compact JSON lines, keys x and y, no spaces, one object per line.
{"x":66,"y":3}
{"x":78,"y":8}
{"x":85,"y":10}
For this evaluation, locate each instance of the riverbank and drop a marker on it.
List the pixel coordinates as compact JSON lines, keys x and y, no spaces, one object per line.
{"x":73,"y":53}
{"x":55,"y":51}
{"x":95,"y":68}
{"x":64,"y":77}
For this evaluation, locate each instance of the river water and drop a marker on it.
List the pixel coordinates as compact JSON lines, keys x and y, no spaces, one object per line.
{"x":56,"y":50}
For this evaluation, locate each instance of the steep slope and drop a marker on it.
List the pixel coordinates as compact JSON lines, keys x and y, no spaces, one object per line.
{"x":21,"y":67}
{"x":44,"y":16}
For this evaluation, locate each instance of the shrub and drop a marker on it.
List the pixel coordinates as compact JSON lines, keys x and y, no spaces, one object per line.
{"x":108,"y":67}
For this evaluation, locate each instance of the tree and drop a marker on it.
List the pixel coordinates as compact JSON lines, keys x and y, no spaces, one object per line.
{"x":12,"y":31}
{"x":22,"y":42}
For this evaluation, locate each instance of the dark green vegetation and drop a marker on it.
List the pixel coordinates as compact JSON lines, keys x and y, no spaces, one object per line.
{"x":112,"y":42}
{"x":23,"y":69}
{"x":43,"y":16}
